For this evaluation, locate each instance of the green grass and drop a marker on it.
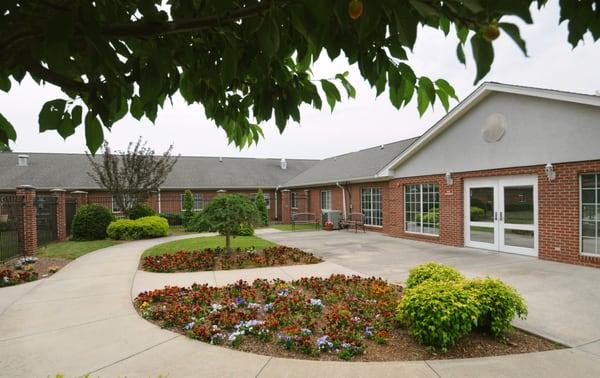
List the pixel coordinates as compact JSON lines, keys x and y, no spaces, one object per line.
{"x":73,"y":249}
{"x":206,"y":242}
{"x":299,"y":227}
{"x":178,"y":230}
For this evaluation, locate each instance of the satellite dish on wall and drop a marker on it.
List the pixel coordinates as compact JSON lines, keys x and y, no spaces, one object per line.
{"x":494,"y":128}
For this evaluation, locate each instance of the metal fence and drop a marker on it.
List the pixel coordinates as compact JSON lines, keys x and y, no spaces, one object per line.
{"x":46,"y":219}
{"x":11,"y":220}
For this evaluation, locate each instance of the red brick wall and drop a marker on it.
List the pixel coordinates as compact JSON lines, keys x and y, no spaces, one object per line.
{"x":558,"y":209}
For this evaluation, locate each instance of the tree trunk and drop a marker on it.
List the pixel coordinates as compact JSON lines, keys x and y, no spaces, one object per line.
{"x":227,"y":243}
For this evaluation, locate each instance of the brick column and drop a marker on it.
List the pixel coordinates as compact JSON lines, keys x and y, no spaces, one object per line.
{"x":307,"y":205}
{"x":61,"y":218}
{"x":286,"y":209}
{"x":28,"y":229}
{"x":80,"y":197}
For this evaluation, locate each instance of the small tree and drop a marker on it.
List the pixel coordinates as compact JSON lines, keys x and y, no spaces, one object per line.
{"x":228,"y":213}
{"x":188,"y":206}
{"x":131,"y":176}
{"x":261,"y":206}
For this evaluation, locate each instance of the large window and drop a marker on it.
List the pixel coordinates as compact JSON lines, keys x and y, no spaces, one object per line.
{"x":198,"y":202}
{"x":325,"y":199}
{"x":370,"y":202}
{"x":422,"y":208}
{"x":590,"y":214}
{"x":294,"y":200}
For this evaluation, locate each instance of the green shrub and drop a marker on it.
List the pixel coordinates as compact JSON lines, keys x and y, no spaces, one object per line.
{"x":261,"y":206}
{"x":432,"y":216}
{"x":188,"y":207}
{"x":174,"y":219}
{"x":477,"y":213}
{"x":142,"y":228}
{"x":246,"y":230}
{"x":140,"y":211}
{"x":432,"y":272}
{"x":198,"y":223}
{"x":498,"y":304}
{"x":438,"y":314}
{"x":90,"y":222}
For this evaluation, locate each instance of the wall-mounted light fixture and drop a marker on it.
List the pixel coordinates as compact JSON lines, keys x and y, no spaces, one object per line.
{"x":449,"y":179}
{"x":550,"y":173}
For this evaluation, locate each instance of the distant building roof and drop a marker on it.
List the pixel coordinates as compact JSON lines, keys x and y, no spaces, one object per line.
{"x":69,"y":171}
{"x":360,"y":165}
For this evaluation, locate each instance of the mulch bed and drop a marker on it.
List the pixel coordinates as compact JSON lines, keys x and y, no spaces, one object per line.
{"x":41,"y":268}
{"x":219,"y":259}
{"x":341,"y":317}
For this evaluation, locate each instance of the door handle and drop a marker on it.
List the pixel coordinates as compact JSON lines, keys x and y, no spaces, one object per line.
{"x":495,"y":215}
{"x":501,"y":216}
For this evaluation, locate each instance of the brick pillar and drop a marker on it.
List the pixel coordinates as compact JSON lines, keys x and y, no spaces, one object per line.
{"x":80,"y":197}
{"x":286,"y":208}
{"x":61,"y":218}
{"x":28,"y":229}
{"x":307,"y":205}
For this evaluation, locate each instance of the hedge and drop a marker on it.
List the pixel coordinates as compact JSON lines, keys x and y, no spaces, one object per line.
{"x":142,"y":228}
{"x":90,"y":222}
{"x":140,"y":211}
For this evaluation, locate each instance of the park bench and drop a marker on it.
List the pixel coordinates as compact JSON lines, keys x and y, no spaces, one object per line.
{"x":304,"y":218}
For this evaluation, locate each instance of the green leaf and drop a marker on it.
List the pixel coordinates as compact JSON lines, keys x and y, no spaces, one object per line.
{"x":443,"y":96}
{"x":350,"y":90}
{"x":483,"y":52}
{"x":76,"y":115}
{"x":4,"y":83}
{"x":331,"y":92}
{"x":94,"y":136}
{"x":446,"y":87}
{"x":51,"y":114}
{"x":422,"y":100}
{"x":460,"y":53}
{"x":7,"y":131}
{"x":513,"y":32}
{"x":66,"y":128}
{"x":424,"y":9}
{"x":427,"y":86}
{"x":136,"y":108}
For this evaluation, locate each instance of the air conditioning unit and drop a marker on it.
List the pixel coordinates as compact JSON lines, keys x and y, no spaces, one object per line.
{"x":333,"y":216}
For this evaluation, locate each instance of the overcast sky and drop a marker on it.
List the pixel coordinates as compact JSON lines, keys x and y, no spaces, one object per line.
{"x":355,"y":124}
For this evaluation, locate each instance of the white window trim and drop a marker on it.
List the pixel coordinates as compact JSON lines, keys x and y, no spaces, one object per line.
{"x":580,"y":217}
{"x":328,"y":197}
{"x":294,"y":198}
{"x":421,"y":210}
{"x":362,"y":210}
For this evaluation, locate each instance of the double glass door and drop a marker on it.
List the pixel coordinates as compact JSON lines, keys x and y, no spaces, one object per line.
{"x":501,"y":214}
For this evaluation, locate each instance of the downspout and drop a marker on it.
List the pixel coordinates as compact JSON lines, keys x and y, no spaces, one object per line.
{"x":159,"y":201}
{"x":276,"y":201}
{"x":343,"y":199}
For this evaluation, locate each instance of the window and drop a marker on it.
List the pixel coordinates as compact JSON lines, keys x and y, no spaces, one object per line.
{"x":198,"y":201}
{"x":325,"y":199}
{"x":370,"y":202}
{"x":590,"y":214}
{"x":294,"y":200}
{"x":421,"y":209}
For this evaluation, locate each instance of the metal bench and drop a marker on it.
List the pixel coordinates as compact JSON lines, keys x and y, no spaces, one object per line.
{"x":354,"y":220}
{"x":304,"y":218}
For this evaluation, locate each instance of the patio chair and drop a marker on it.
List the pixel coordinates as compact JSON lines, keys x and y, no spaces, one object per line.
{"x":354,"y":220}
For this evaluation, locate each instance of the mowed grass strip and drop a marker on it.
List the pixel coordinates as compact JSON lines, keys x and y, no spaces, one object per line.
{"x":71,"y":250}
{"x":207,"y":242}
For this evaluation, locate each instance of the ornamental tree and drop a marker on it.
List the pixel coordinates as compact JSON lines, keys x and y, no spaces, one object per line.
{"x":188,"y":207}
{"x":131,"y":176}
{"x":245,"y":61}
{"x":227,"y":213}
{"x":261,"y":206}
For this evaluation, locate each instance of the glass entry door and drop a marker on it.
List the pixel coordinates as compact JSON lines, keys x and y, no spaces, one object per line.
{"x":501,"y":214}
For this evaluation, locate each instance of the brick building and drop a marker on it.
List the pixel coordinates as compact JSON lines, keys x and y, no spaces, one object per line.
{"x":511,"y":169}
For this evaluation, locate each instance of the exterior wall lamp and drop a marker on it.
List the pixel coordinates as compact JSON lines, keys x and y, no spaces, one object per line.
{"x":550,"y":173}
{"x":449,"y":179}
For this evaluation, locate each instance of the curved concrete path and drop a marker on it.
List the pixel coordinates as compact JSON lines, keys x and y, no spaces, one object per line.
{"x":81,"y":320}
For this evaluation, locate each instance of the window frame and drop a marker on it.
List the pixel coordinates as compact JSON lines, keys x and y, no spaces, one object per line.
{"x":198,"y":197}
{"x":294,"y":200}
{"x":371,"y":190}
{"x":596,"y":190}
{"x":328,"y":199}
{"x":420,"y":205}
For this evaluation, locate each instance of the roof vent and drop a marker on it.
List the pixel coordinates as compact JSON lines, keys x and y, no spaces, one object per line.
{"x":382,"y":147}
{"x":220,"y":159}
{"x":23,"y":160}
{"x":283,"y":164}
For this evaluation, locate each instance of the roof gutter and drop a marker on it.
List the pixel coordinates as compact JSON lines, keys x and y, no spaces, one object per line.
{"x":356,"y":180}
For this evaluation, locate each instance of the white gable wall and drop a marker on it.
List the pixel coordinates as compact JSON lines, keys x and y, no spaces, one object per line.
{"x":539,"y":131}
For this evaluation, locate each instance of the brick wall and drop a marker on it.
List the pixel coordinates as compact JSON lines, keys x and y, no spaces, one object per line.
{"x":558,"y":209}
{"x":28,"y":229}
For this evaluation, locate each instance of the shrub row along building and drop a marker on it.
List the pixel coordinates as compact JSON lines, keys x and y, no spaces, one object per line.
{"x":512,"y":169}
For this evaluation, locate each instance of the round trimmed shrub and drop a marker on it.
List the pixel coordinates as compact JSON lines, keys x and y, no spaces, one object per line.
{"x":432,"y":272}
{"x":142,"y":228}
{"x":139,"y":211}
{"x":438,"y":314}
{"x":498,"y":304}
{"x":90,"y":222}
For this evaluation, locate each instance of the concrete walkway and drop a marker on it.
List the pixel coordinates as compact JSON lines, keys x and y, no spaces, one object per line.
{"x":81,"y":320}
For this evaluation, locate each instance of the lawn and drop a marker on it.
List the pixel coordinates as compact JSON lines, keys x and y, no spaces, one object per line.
{"x":207,"y":242}
{"x":73,"y":249}
{"x":299,"y":227}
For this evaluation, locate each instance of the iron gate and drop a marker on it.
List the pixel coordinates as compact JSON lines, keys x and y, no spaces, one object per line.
{"x":70,"y":210}
{"x":11,"y":220}
{"x":46,"y":219}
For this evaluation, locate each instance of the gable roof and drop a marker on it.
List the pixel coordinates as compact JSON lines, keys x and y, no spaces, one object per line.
{"x":475,"y":98}
{"x":361,"y":165}
{"x":69,"y":171}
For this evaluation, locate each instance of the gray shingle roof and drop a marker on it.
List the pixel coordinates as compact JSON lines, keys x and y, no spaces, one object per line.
{"x":69,"y":171}
{"x":361,"y":164}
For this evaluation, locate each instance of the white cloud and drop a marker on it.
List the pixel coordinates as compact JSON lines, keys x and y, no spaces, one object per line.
{"x":364,"y":122}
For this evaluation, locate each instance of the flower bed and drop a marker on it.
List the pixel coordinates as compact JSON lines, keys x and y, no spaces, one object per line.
{"x":218,"y":259}
{"x":335,"y":318}
{"x":27,"y":269}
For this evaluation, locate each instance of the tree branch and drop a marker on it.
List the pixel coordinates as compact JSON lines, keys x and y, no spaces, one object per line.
{"x":56,"y":78}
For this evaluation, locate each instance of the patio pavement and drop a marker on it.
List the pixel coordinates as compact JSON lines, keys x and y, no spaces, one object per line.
{"x":81,"y":319}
